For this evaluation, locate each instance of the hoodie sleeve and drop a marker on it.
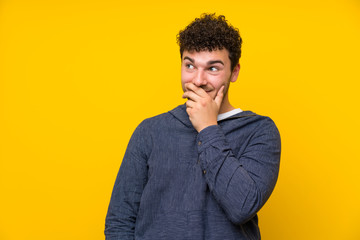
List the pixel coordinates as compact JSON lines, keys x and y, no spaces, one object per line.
{"x":128,"y":188}
{"x":240,"y":184}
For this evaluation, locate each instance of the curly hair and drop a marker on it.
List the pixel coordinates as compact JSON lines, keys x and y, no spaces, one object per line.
{"x":211,"y":32}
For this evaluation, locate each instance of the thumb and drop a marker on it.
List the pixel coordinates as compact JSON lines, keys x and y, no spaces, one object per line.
{"x":219,"y":96}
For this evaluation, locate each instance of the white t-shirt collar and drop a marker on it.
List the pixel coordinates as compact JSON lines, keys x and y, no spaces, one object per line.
{"x":222,"y":116}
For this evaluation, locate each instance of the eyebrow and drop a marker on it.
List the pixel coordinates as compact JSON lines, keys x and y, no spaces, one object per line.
{"x":208,"y":63}
{"x":216,"y":61}
{"x":190,"y":59}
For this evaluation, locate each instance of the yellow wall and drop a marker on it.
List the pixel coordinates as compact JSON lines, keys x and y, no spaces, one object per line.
{"x":76,"y":77}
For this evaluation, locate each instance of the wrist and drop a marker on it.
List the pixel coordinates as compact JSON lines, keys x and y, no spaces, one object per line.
{"x":205,"y":126}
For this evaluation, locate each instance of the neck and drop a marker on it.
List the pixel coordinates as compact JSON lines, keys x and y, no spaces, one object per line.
{"x":225,"y":105}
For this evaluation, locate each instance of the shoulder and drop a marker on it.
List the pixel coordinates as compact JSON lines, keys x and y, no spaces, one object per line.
{"x":266,"y":123}
{"x":155,"y":121}
{"x":266,"y":130}
{"x":250,"y":118}
{"x":253,"y":123}
{"x":158,"y":121}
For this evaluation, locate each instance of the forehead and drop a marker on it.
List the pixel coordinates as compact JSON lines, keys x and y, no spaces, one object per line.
{"x":205,"y":56}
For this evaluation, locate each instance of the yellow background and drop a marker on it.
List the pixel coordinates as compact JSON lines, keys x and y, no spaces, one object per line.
{"x":77,"y":77}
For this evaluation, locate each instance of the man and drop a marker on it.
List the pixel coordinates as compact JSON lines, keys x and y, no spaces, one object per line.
{"x":204,"y":169}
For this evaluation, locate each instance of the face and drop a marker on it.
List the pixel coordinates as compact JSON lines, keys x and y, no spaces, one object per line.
{"x":208,"y":70}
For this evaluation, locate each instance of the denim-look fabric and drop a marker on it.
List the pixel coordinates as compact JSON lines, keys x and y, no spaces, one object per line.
{"x":175,"y":183}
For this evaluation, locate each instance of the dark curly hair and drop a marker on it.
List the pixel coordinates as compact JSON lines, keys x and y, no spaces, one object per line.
{"x":211,"y":32}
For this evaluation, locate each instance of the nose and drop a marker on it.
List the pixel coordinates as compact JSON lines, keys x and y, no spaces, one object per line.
{"x":200,"y":78}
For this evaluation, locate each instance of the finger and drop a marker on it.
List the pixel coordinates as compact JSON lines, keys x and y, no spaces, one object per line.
{"x":198,"y":90}
{"x":188,"y":110}
{"x":191,"y":95}
{"x":190,"y":104}
{"x":219,"y":96}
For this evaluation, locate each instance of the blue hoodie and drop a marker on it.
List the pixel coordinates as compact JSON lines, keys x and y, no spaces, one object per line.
{"x":176,"y":183}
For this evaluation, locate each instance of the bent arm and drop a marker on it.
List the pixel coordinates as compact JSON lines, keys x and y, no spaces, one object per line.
{"x":240,"y":184}
{"x":130,"y":182}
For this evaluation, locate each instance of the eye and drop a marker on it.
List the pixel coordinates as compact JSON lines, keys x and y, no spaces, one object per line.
{"x":189,"y":66}
{"x":213,"y":69}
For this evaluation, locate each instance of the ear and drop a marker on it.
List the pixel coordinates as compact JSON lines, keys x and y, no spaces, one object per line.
{"x":235,"y":73}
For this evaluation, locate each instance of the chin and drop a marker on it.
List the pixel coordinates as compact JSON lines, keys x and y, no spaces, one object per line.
{"x":212,"y":95}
